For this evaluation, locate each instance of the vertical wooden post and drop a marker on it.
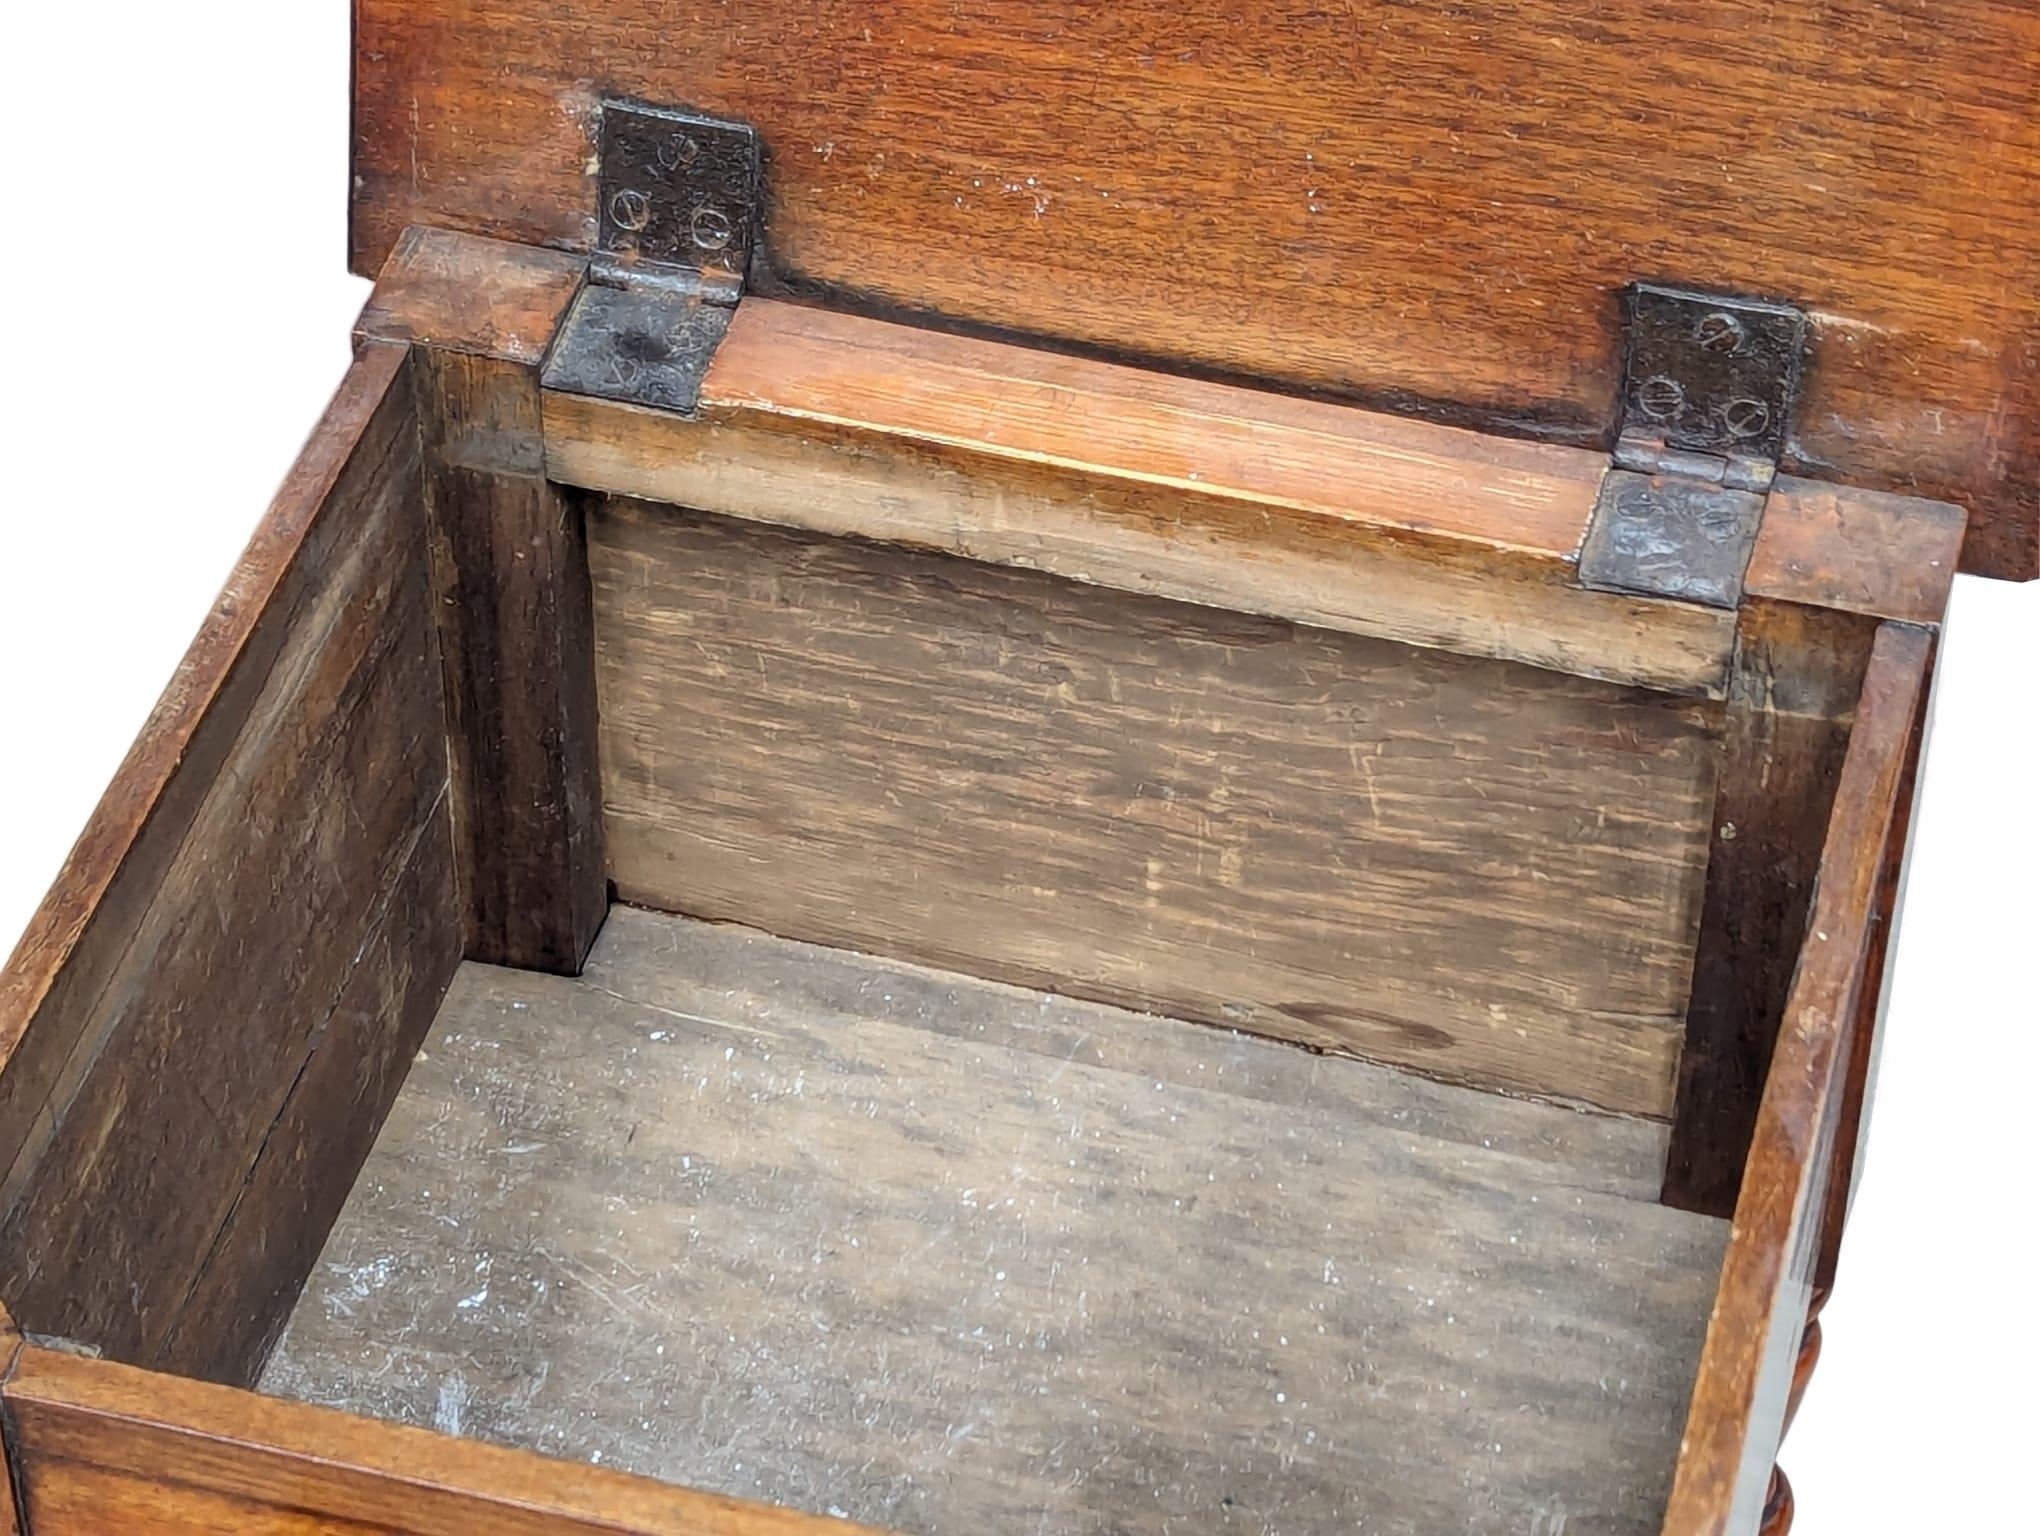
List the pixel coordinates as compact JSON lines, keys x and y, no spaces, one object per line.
{"x":511,"y":576}
{"x":1797,"y":672}
{"x":11,"y":1522}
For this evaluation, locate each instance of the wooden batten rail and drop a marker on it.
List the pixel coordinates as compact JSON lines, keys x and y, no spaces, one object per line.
{"x":1235,"y":498}
{"x":97,"y":1447}
{"x":1240,"y":499}
{"x":1744,"y":1394}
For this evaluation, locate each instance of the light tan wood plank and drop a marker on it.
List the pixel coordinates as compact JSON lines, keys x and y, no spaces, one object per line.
{"x":103,"y":1447}
{"x":844,"y":1234}
{"x":1480,"y":871}
{"x":1129,"y":479}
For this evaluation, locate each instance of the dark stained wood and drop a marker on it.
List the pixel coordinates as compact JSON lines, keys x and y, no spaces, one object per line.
{"x":1477,"y":870}
{"x":1406,"y":203}
{"x":1867,"y":552}
{"x":10,"y":1506}
{"x":102,"y":1447}
{"x":1859,"y":1087}
{"x":311,"y":1156}
{"x":1796,"y":679}
{"x":838,"y":1232}
{"x":1756,"y":1336}
{"x":462,"y":294}
{"x":1779,"y":1506}
{"x":510,"y":562}
{"x":259,"y":868}
{"x":141,"y":819}
{"x":1232,"y":497}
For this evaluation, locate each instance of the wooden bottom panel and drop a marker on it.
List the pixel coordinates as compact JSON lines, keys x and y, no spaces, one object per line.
{"x":798,"y":1225}
{"x":1481,"y":871}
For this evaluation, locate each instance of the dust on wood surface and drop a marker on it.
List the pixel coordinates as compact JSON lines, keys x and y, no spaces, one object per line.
{"x":1484,"y":872}
{"x":852,"y":1236}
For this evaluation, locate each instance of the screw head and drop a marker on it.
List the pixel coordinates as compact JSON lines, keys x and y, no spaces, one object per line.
{"x":676,"y":152}
{"x":1719,"y":332}
{"x":1745,"y":417}
{"x":630,"y":209}
{"x":1660,"y":397}
{"x":711,"y":228}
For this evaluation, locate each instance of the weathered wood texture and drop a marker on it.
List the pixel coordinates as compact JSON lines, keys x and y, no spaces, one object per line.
{"x":1238,"y":498}
{"x":1398,"y":202}
{"x":1859,"y":1088}
{"x":101,"y":1447}
{"x":1863,"y":552}
{"x":193,"y":1028}
{"x":510,"y":564}
{"x":458,"y":293}
{"x":1481,"y":871}
{"x":10,"y":1506}
{"x":841,"y":1233}
{"x":1797,"y":676}
{"x":1755,"y":1337}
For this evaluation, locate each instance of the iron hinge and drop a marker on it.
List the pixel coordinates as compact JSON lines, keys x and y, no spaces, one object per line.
{"x":677,"y":206}
{"x":1707,"y":390}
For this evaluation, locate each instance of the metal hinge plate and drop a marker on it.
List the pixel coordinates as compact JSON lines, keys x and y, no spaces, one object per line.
{"x":1707,"y":391}
{"x":677,"y":216}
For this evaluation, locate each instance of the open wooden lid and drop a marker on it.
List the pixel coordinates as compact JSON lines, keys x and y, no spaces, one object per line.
{"x":1416,"y":204}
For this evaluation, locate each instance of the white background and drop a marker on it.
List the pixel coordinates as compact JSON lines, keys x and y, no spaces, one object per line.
{"x":177,"y":313}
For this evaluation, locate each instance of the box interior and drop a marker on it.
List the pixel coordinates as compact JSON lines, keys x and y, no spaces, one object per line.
{"x":1355,"y":1217}
{"x":1277,"y":979}
{"x":856,"y":1237}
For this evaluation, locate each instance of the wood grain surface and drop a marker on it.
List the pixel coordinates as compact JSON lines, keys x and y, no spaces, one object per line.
{"x":1866,"y":1047}
{"x":1237,"y":498}
{"x":456,"y":293}
{"x":1756,"y":1334}
{"x":1865,"y":552}
{"x":100,"y":1447}
{"x":1398,"y":201}
{"x":256,"y":888}
{"x":10,"y":1506}
{"x":840,"y":1233}
{"x":1480,"y":871}
{"x":510,"y":571}
{"x":1797,"y":677}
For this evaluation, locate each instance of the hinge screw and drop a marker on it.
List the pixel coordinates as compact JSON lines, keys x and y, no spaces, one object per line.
{"x":1745,"y":418}
{"x":1719,"y":332}
{"x":712,"y":228}
{"x":678,"y":152}
{"x":631,"y":209}
{"x":1660,"y":397}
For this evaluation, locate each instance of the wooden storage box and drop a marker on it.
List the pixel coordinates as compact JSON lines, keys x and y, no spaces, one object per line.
{"x":1038,"y":768}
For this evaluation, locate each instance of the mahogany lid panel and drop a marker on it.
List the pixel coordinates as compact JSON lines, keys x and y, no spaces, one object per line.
{"x":1421,"y":205}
